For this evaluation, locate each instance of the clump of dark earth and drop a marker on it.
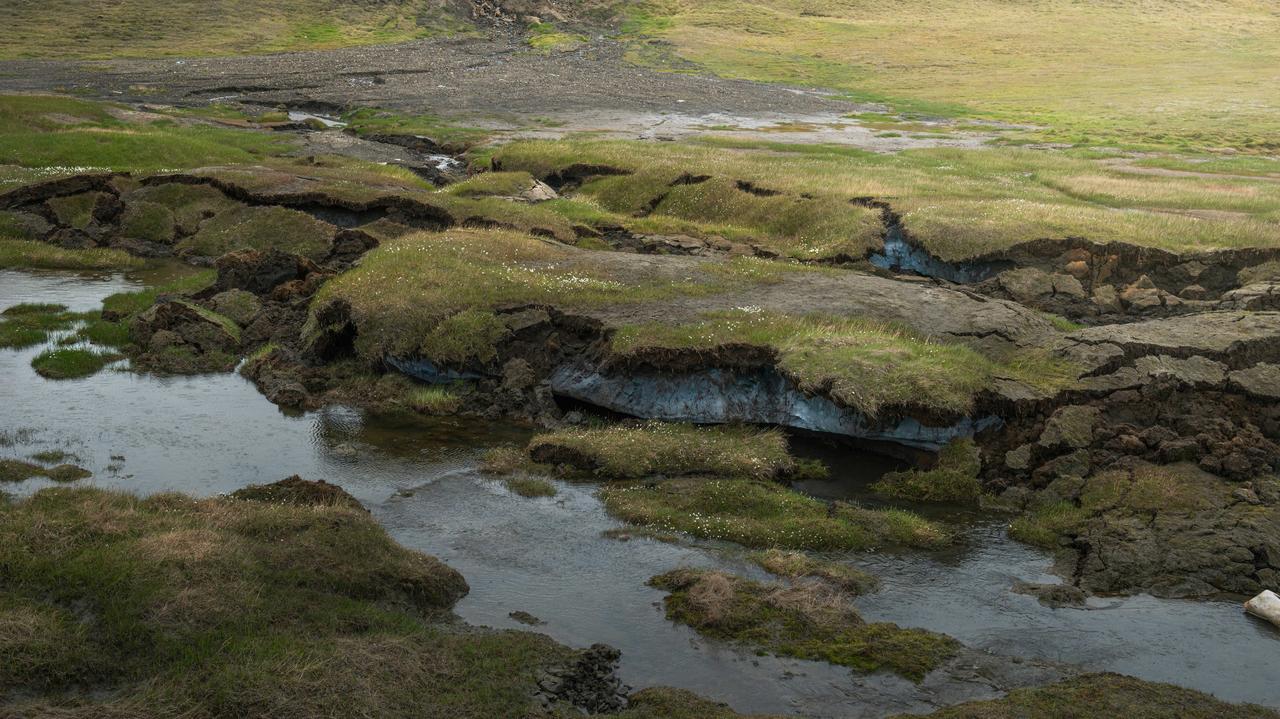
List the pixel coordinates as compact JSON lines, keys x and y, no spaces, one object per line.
{"x":301,"y":492}
{"x":526,"y":618}
{"x":1053,"y":595}
{"x":177,"y":336}
{"x":589,"y":683}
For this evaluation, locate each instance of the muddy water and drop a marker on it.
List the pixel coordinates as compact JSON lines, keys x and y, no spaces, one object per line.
{"x":213,"y":434}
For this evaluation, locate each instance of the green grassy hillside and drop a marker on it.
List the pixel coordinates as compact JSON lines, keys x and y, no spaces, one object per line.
{"x":147,"y":28}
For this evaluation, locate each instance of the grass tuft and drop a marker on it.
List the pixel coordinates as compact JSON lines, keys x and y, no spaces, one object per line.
{"x":71,"y":362}
{"x":659,"y":448}
{"x":765,"y":515}
{"x":530,"y":487}
{"x":29,"y":254}
{"x":806,"y":621}
{"x":798,"y":565}
{"x":953,"y":479}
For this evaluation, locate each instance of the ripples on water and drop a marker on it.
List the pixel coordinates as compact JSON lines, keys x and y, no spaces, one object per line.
{"x":213,"y":434}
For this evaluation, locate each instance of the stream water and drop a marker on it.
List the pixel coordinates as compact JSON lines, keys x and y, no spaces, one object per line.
{"x":213,"y":434}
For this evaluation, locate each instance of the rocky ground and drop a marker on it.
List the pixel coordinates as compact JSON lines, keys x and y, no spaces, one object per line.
{"x":493,"y":78}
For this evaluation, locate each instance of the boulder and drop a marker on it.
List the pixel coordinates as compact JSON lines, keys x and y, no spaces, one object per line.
{"x":1265,"y":606}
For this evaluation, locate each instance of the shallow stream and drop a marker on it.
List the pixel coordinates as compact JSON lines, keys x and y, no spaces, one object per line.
{"x":213,"y":434}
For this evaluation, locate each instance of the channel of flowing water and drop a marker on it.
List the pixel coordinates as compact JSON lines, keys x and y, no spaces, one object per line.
{"x":213,"y":434}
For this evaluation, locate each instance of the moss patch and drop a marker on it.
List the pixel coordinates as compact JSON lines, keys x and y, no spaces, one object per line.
{"x":260,"y":228}
{"x":803,"y":621}
{"x":953,"y":479}
{"x":1103,"y":696}
{"x":71,"y":362}
{"x":659,"y":448}
{"x":764,"y":514}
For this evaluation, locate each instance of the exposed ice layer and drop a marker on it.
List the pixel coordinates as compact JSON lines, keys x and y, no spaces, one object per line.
{"x":430,"y":372}
{"x":759,"y":397}
{"x":901,"y":256}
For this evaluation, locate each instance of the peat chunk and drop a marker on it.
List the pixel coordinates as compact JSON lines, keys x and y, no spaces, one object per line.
{"x":259,"y":271}
{"x":298,"y":491}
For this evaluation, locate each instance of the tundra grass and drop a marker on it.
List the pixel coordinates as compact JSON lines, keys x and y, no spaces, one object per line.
{"x":862,"y":364}
{"x":953,"y":479}
{"x":16,"y":470}
{"x":660,"y":448}
{"x":48,"y":131}
{"x":125,"y":304}
{"x":71,"y":362}
{"x":226,"y":608}
{"x":28,"y":254}
{"x":434,"y":295}
{"x":764,"y":515}
{"x":434,"y":400}
{"x":260,"y":228}
{"x":957,"y":203}
{"x":150,"y":28}
{"x":27,"y":325}
{"x":530,"y":487}
{"x":1102,"y":696}
{"x":1165,"y":73}
{"x":798,"y":565}
{"x":806,"y":621}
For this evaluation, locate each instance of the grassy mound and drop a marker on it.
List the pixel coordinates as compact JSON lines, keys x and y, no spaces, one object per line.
{"x":223,"y":608}
{"x":659,"y":448}
{"x":763,"y":515}
{"x":448,"y":286}
{"x":71,"y":362}
{"x":260,"y":228}
{"x":1103,"y":696}
{"x":806,"y":621}
{"x":957,"y":203}
{"x":299,"y":492}
{"x":862,"y":364}
{"x":16,"y":470}
{"x":953,"y":479}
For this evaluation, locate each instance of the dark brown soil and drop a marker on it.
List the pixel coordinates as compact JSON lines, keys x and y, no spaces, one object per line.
{"x":299,"y":491}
